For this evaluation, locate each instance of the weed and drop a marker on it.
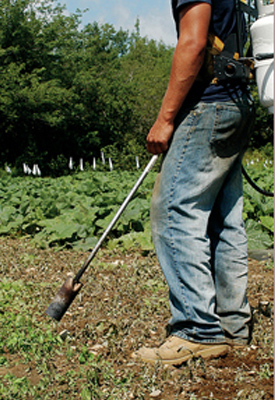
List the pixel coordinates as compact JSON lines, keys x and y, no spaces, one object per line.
{"x":129,"y":309}
{"x":265,"y":372}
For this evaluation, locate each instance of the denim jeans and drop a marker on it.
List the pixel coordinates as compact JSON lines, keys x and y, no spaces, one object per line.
{"x":197,"y":226}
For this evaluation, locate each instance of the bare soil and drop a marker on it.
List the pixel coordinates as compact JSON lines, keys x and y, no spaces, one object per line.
{"x":123,"y":305}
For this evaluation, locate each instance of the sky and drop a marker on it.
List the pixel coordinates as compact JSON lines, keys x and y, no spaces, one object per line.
{"x":155,"y":16}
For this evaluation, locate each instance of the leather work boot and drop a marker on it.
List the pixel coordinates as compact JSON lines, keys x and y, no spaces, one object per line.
{"x":176,"y":351}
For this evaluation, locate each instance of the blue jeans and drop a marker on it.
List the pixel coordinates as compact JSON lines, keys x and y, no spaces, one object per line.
{"x":197,"y":226}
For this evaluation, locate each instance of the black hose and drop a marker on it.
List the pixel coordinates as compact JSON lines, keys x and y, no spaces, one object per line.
{"x":256,"y":187}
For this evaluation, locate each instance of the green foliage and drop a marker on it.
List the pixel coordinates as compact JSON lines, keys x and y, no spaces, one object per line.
{"x":263,"y":130}
{"x":259,"y":209}
{"x":72,"y":91}
{"x":73,"y":211}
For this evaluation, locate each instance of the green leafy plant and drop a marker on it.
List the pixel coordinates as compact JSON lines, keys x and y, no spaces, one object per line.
{"x":73,"y":211}
{"x":259,"y":209}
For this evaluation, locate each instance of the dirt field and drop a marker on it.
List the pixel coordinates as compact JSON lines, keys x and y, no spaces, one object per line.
{"x":122,"y":306}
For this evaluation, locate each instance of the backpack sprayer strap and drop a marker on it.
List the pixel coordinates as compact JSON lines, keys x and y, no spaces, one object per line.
{"x":224,"y":61}
{"x":228,"y":68}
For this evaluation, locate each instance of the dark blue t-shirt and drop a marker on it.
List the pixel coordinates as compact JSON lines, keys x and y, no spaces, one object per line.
{"x":222,"y":24}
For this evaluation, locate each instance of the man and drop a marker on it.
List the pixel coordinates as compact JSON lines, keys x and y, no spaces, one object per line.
{"x":203,"y":129}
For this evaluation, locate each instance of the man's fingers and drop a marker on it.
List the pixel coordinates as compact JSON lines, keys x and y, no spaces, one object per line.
{"x":158,"y":137}
{"x":156,"y":147}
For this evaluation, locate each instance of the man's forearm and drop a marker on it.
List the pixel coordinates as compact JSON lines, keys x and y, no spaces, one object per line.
{"x":185,"y":68}
{"x":187,"y":61}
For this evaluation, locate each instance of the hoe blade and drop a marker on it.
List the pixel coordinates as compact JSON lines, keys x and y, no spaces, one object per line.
{"x":63,"y":298}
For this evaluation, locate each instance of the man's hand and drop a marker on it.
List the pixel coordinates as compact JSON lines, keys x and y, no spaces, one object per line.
{"x":159,"y":136}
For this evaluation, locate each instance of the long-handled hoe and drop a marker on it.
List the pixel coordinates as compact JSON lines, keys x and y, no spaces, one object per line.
{"x":72,"y":286}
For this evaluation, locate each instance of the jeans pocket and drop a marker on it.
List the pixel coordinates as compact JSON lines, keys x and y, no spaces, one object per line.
{"x":232,"y":129}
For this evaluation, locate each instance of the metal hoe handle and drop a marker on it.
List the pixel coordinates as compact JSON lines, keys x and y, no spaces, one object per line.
{"x":116,"y":217}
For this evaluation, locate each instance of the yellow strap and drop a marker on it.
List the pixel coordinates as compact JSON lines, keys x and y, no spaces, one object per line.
{"x":217,"y":45}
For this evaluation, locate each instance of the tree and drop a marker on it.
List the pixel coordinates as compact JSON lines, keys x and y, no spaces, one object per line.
{"x":263,"y":130}
{"x":68,"y":91}
{"x":32,"y":101}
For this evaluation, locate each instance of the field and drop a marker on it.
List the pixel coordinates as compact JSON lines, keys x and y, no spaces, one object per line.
{"x":123,"y":304}
{"x":73,"y":211}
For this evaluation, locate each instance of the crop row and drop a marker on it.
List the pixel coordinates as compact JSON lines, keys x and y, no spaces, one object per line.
{"x":73,"y":211}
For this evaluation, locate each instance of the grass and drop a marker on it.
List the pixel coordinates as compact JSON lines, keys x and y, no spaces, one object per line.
{"x":123,"y":305}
